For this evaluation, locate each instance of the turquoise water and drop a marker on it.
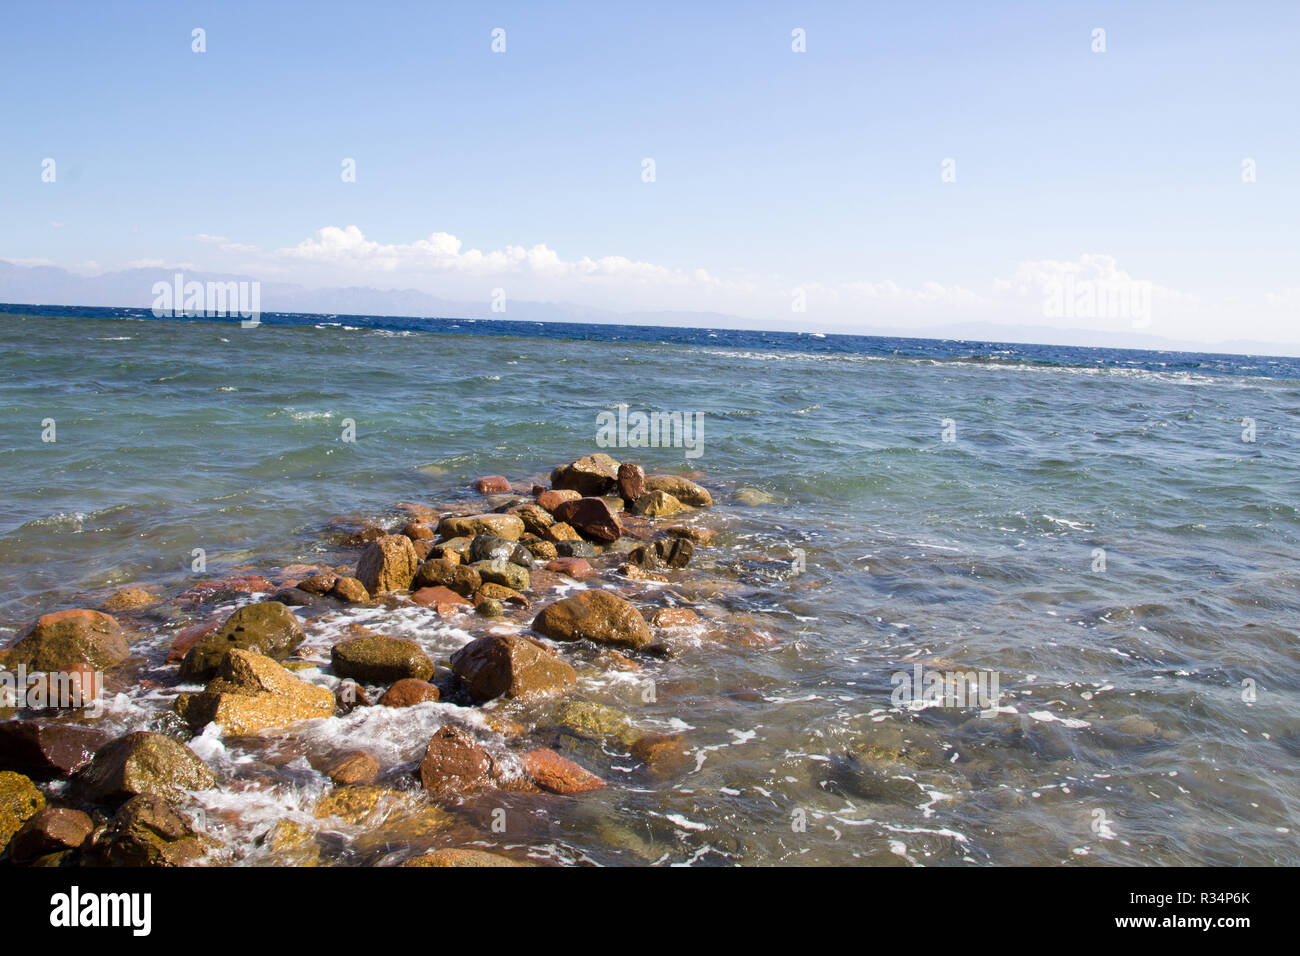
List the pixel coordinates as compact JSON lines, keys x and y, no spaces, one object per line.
{"x":1122,"y":688}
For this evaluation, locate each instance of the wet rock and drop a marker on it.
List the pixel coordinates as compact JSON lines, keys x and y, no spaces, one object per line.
{"x":456,"y":856}
{"x":268,"y":628}
{"x":493,"y":485}
{"x":47,"y":751}
{"x":592,"y":475}
{"x":295,"y":597}
{"x":575,"y":549}
{"x":129,"y":599}
{"x":751,"y":497}
{"x":251,"y":692}
{"x":62,"y":639}
{"x":359,"y":805}
{"x":387,"y":564}
{"x":440,"y":572}
{"x":350,"y":695}
{"x":402,"y":830}
{"x":685,"y":491}
{"x":350,"y":590}
{"x":52,"y":830}
{"x":149,"y":831}
{"x":77,"y":687}
{"x":595,"y":721}
{"x":666,"y":552}
{"x":455,"y":550}
{"x":488,"y":547}
{"x":550,"y":500}
{"x":363,"y":537}
{"x":503,"y":572}
{"x":489,"y":607}
{"x":560,"y":532}
{"x":376,"y":659}
{"x":598,"y":616}
{"x":188,"y":637}
{"x":500,"y":525}
{"x":408,"y":692}
{"x":418,"y":531}
{"x":543,"y":550}
{"x":630,"y":482}
{"x":657,"y":504}
{"x":320,"y":583}
{"x":292,"y":844}
{"x":355,"y":768}
{"x":454,"y":764}
{"x":511,"y":666}
{"x":423,"y":549}
{"x":702,"y":537}
{"x":536,"y":519}
{"x":440,"y":598}
{"x":499,"y":592}
{"x":674,"y":617}
{"x":557,"y":774}
{"x":573,"y":567}
{"x":634,"y":573}
{"x":141,"y":763}
{"x":224,"y":589}
{"x":662,"y":753}
{"x":19,"y":802}
{"x":591,"y":517}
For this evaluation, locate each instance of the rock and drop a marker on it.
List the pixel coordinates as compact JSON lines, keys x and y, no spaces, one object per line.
{"x":418,"y":531}
{"x":376,"y":659}
{"x":292,"y":844}
{"x":493,"y":485}
{"x":227,"y":588}
{"x":295,"y":597}
{"x":423,"y":549}
{"x":500,"y":525}
{"x":657,"y":504}
{"x":454,"y":764}
{"x":634,"y":573}
{"x":550,"y":500}
{"x":685,"y":491}
{"x":320,"y":583}
{"x":188,"y":637}
{"x":52,"y":830}
{"x":674,"y":617}
{"x":129,"y":599}
{"x":363,"y":537}
{"x":751,"y":497}
{"x":456,"y":856}
{"x":149,"y":831}
{"x":268,"y":628}
{"x":355,"y":768}
{"x":455,"y":550}
{"x":417,"y":512}
{"x":598,"y":616}
{"x":57,"y":641}
{"x":575,"y":549}
{"x":591,"y":517}
{"x":251,"y":692}
{"x":440,"y":572}
{"x":631,"y":482}
{"x":586,"y":718}
{"x":702,"y":537}
{"x":542,"y":550}
{"x":350,"y":590}
{"x":561,"y":532}
{"x":439,"y":597}
{"x":350,"y":695}
{"x":592,"y":475}
{"x":141,"y":763}
{"x":361,"y":805}
{"x":672,"y":552}
{"x":662,"y":753}
{"x":47,"y":751}
{"x":490,"y":607}
{"x":408,"y":692}
{"x":387,"y":564}
{"x":19,"y":802}
{"x":573,"y":567}
{"x":487,"y":547}
{"x":511,"y":666}
{"x":536,"y":519}
{"x":558,"y":774}
{"x":403,"y":829}
{"x":503,"y":572}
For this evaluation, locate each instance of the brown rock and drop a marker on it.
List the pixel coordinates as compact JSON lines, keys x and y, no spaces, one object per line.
{"x":573,"y":567}
{"x":499,"y":592}
{"x":702,"y":537}
{"x":510,"y":665}
{"x":187,"y":638}
{"x":355,"y":768}
{"x":536,"y":519}
{"x":493,"y":485}
{"x":61,"y":639}
{"x":662,"y":753}
{"x":657,"y":504}
{"x":543,"y":550}
{"x":47,"y":751}
{"x":670,"y":552}
{"x":423,"y":549}
{"x":149,"y":831}
{"x":674,"y":617}
{"x":376,"y":659}
{"x":225,"y":587}
{"x":408,"y":692}
{"x":599,"y":616}
{"x":251,"y":693}
{"x":142,"y":763}
{"x":267,"y":628}
{"x":454,"y":764}
{"x":441,"y":572}
{"x":322,"y":582}
{"x":550,"y":500}
{"x":438,"y":596}
{"x":456,"y":856}
{"x":52,"y":830}
{"x":631,"y":482}
{"x":387,"y":564}
{"x":19,"y":802}
{"x":592,"y":475}
{"x":350,"y":590}
{"x":685,"y":491}
{"x":505,"y":526}
{"x":561,"y":531}
{"x":350,"y":695}
{"x":418,"y":531}
{"x":634,"y":573}
{"x":591,"y":517}
{"x":558,"y":774}
{"x":129,"y":599}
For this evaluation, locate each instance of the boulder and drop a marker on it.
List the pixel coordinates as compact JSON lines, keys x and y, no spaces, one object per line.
{"x":467,"y":526}
{"x":511,"y":666}
{"x":149,"y":831}
{"x":355,"y":768}
{"x":684,"y":490}
{"x":141,"y":763}
{"x":52,"y":830}
{"x":251,"y":693}
{"x":62,"y":639}
{"x":550,"y":500}
{"x":550,"y":771}
{"x":503,"y":572}
{"x":376,"y":659}
{"x":657,"y":504}
{"x":631,"y":482}
{"x":592,"y":475}
{"x":47,"y":751}
{"x":591,"y":517}
{"x":418,"y":531}
{"x":493,"y":485}
{"x":19,"y":802}
{"x":387,"y":564}
{"x":454,"y":764}
{"x":441,"y":572}
{"x":408,"y":692}
{"x":268,"y":628}
{"x":598,"y":616}
{"x":350,"y":590}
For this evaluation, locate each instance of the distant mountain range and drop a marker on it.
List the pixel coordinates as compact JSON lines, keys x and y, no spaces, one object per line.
{"x":133,"y":288}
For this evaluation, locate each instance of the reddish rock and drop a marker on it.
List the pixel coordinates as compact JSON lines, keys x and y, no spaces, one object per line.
{"x":510,"y":665}
{"x":408,"y":692}
{"x":47,"y":751}
{"x":493,"y":485}
{"x":454,"y":764}
{"x":250,"y":584}
{"x":591,"y":517}
{"x":558,"y":774}
{"x":573,"y":567}
{"x":52,"y":830}
{"x":631,"y":482}
{"x":599,"y":616}
{"x":188,"y":637}
{"x":356,"y":768}
{"x":550,"y":500}
{"x":418,"y":531}
{"x":437,"y":596}
{"x":674,"y":617}
{"x":423,"y":549}
{"x":538,"y":490}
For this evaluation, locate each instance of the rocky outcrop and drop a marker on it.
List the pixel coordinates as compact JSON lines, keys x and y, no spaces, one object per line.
{"x":598,"y":616}
{"x":511,"y":666}
{"x":268,"y":628}
{"x":467,"y":526}
{"x":376,"y":659}
{"x":387,"y":564}
{"x":251,"y":693}
{"x":454,"y":764}
{"x":141,"y":763}
{"x":591,"y":517}
{"x":64,"y":639}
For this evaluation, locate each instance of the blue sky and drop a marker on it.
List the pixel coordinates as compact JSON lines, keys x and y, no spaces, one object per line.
{"x":774,"y":170}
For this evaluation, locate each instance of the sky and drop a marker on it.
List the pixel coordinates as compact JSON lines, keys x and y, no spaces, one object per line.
{"x":915,"y":165}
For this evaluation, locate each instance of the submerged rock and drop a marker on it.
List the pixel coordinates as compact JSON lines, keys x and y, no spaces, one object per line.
{"x":142,"y":763}
{"x":387,"y":564}
{"x":376,"y":659}
{"x":598,"y":616}
{"x":550,"y":771}
{"x":63,"y":639}
{"x":130,"y":599}
{"x":456,"y":856}
{"x":251,"y":693}
{"x":511,"y":666}
{"x":268,"y":628}
{"x":595,"y":721}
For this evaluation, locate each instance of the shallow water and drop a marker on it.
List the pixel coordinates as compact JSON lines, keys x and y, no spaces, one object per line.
{"x":1121,"y":689}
